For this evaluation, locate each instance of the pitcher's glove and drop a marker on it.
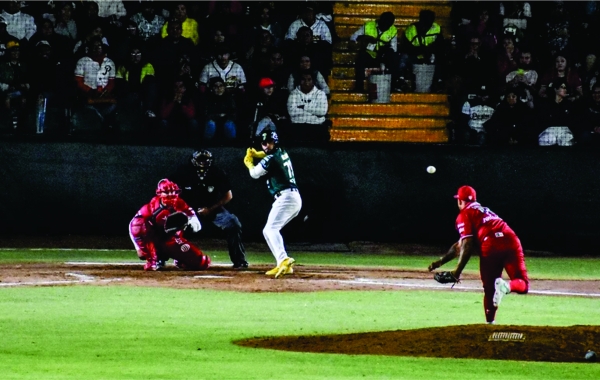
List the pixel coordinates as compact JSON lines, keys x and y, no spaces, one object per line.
{"x":176,"y":221}
{"x":445,"y":278}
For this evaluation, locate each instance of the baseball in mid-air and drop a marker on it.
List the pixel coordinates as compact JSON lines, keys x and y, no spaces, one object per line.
{"x":431,"y":169}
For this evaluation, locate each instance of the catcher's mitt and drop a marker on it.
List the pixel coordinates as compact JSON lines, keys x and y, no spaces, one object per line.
{"x":176,"y":221}
{"x":445,"y":278}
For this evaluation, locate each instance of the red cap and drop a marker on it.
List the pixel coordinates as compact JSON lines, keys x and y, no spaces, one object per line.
{"x":266,"y":82}
{"x":466,"y":193}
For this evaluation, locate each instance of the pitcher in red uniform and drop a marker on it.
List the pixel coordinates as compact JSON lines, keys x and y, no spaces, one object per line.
{"x":481,"y":231}
{"x":154,"y":243}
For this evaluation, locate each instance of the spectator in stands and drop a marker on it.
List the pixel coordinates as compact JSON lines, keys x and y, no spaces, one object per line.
{"x":472,"y":67}
{"x":18,"y":24}
{"x":64,"y":24}
{"x":259,"y":54}
{"x":215,"y":41}
{"x":319,"y":51}
{"x":476,"y":110}
{"x":111,"y":9}
{"x":275,"y":69}
{"x":308,"y":18}
{"x":589,"y":118}
{"x":555,"y":116}
{"x":589,"y":72}
{"x":557,"y":31}
{"x":510,"y":122}
{"x":232,"y":73}
{"x":562,"y":70}
{"x":304,"y":65}
{"x":517,"y":13}
{"x":189,"y":25}
{"x":137,"y":83}
{"x":61,"y":46}
{"x":48,"y":77}
{"x":525,"y":72}
{"x":422,"y":43}
{"x":307,"y":107}
{"x":149,"y":23}
{"x":485,"y":25}
{"x":507,"y":59}
{"x":269,"y":111}
{"x":265,"y":22}
{"x":88,"y":17}
{"x":82,"y":47}
{"x":229,"y":17}
{"x":377,"y":42}
{"x":220,"y":113}
{"x":178,"y":115}
{"x":4,"y":37}
{"x":169,"y":52}
{"x":121,"y":48}
{"x":14,"y":84}
{"x":95,"y":78}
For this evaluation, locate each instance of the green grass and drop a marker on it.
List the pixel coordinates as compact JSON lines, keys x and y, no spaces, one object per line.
{"x":124,"y":332}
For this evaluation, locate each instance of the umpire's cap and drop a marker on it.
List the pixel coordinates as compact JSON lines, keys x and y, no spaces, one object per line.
{"x":466,"y":193}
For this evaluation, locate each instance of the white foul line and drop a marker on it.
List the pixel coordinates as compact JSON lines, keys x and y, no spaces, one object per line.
{"x":461,"y":287}
{"x":139,"y":263}
{"x":55,"y":282}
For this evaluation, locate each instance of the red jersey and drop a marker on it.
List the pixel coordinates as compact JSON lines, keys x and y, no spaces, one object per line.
{"x":480,"y":222}
{"x":149,"y":224}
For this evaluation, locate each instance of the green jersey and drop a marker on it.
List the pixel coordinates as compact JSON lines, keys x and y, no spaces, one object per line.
{"x":279,"y":171}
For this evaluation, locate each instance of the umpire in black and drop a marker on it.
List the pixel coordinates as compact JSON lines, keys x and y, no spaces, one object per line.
{"x":207,"y":190}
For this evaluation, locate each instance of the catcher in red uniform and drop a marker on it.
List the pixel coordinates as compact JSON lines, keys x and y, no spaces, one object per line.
{"x":481,"y":231}
{"x":157,"y":231}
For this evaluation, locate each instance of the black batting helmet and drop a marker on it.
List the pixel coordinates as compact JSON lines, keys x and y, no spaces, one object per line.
{"x":268,"y":135}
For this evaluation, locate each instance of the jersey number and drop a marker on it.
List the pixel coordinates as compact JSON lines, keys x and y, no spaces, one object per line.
{"x":288,"y":165}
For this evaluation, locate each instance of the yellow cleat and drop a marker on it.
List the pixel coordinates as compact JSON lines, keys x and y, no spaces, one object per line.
{"x":273,"y":271}
{"x":285,"y":267}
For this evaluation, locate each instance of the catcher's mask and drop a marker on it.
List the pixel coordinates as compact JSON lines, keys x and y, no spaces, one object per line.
{"x":168,"y":191}
{"x":202,"y":161}
{"x":268,"y":136}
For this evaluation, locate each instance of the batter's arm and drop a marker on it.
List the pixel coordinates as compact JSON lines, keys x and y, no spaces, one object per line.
{"x":451,"y":255}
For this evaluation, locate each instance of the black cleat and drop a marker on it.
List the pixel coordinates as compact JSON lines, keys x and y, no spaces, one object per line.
{"x":242,"y":265}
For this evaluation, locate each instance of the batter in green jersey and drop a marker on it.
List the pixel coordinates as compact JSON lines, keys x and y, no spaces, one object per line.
{"x":276,"y":166}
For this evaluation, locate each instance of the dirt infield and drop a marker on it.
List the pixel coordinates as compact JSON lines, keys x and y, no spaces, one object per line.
{"x":532,"y":343}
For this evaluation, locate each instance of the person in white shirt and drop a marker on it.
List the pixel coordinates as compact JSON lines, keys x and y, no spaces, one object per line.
{"x":18,"y":24}
{"x":305,"y":64}
{"x":111,"y":8}
{"x":307,"y":18}
{"x":307,"y":107}
{"x":95,"y":78}
{"x":232,"y":73}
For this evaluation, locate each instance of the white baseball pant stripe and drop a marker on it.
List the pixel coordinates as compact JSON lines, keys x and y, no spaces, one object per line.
{"x":285,"y":208}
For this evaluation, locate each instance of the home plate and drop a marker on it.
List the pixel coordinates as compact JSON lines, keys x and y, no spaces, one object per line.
{"x":212,"y":276}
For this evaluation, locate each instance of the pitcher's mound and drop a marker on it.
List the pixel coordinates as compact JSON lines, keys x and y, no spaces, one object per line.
{"x":530,"y":343}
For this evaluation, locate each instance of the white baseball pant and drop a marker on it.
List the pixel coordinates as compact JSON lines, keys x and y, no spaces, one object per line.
{"x":285,"y":208}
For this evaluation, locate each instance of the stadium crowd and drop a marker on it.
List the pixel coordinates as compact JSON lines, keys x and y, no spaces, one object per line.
{"x":219,"y":72}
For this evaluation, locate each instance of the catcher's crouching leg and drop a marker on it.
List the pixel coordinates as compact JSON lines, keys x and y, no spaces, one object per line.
{"x":187,"y":255}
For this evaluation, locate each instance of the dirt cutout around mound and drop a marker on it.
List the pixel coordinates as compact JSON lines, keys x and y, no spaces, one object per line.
{"x":526,"y":343}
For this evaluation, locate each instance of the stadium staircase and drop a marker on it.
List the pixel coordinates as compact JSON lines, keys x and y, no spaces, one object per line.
{"x":409,"y":117}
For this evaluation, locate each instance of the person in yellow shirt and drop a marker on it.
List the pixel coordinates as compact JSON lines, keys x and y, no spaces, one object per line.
{"x":189,"y":25}
{"x":377,"y":43}
{"x":136,"y":83}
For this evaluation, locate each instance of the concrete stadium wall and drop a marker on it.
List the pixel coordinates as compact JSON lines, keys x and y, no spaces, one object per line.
{"x":351,"y":192}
